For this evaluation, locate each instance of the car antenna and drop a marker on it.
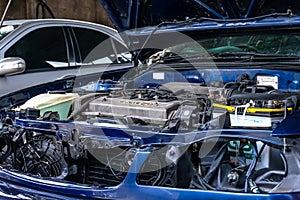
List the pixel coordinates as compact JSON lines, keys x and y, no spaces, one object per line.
{"x":5,"y":11}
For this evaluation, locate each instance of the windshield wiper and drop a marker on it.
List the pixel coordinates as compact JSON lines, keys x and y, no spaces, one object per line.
{"x":233,"y":54}
{"x":252,"y":56}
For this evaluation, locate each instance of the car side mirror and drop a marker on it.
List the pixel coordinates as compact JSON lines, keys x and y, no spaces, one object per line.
{"x":12,"y":65}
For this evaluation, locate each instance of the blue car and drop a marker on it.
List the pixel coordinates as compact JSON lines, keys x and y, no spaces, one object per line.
{"x":209,"y":110}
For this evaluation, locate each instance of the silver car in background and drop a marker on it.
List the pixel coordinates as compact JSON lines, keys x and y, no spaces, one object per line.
{"x":43,"y":50}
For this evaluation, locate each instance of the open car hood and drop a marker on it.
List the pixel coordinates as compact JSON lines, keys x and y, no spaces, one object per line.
{"x":132,"y":14}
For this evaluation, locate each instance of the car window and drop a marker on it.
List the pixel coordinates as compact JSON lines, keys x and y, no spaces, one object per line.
{"x":42,"y":49}
{"x":98,"y":48}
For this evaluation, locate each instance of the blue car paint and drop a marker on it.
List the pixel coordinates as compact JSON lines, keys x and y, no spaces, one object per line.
{"x":127,"y":136}
{"x":132,"y":14}
{"x":288,"y":127}
{"x":208,"y":25}
{"x":128,"y":189}
{"x":124,"y":190}
{"x":288,"y":80}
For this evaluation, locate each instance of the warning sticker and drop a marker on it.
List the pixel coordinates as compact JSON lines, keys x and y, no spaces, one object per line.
{"x":268,"y":81}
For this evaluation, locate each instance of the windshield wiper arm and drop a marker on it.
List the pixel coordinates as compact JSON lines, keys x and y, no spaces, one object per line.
{"x":234,"y":54}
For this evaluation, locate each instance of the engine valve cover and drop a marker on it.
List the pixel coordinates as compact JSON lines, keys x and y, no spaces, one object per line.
{"x":148,"y":111}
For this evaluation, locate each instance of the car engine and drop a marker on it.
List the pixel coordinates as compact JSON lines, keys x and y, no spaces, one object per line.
{"x":104,"y":132}
{"x":157,"y":107}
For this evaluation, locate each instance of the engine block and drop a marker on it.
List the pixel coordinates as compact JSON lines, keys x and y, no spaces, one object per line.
{"x":153,"y":112}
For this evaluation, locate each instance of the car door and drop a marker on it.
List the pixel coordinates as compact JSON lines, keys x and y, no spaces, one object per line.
{"x":46,"y":54}
{"x":58,"y":50}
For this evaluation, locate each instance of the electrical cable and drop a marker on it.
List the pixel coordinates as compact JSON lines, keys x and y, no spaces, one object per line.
{"x":41,"y":4}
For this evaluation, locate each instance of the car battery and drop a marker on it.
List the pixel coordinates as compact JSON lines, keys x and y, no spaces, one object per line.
{"x":258,"y":110}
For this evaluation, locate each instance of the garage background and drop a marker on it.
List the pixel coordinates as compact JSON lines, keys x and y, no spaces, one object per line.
{"x":87,"y":10}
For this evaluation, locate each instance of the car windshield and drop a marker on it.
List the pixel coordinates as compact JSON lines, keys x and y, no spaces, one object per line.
{"x":279,"y":44}
{"x":5,"y":30}
{"x":266,"y":44}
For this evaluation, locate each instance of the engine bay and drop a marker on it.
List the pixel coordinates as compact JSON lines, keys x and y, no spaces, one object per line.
{"x":206,"y":135}
{"x":150,"y":101}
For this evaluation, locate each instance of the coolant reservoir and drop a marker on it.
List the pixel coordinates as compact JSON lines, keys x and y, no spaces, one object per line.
{"x":59,"y":102}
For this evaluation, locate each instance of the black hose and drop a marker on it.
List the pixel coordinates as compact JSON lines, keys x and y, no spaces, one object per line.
{"x":41,"y":4}
{"x":252,"y":165}
{"x":215,"y":163}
